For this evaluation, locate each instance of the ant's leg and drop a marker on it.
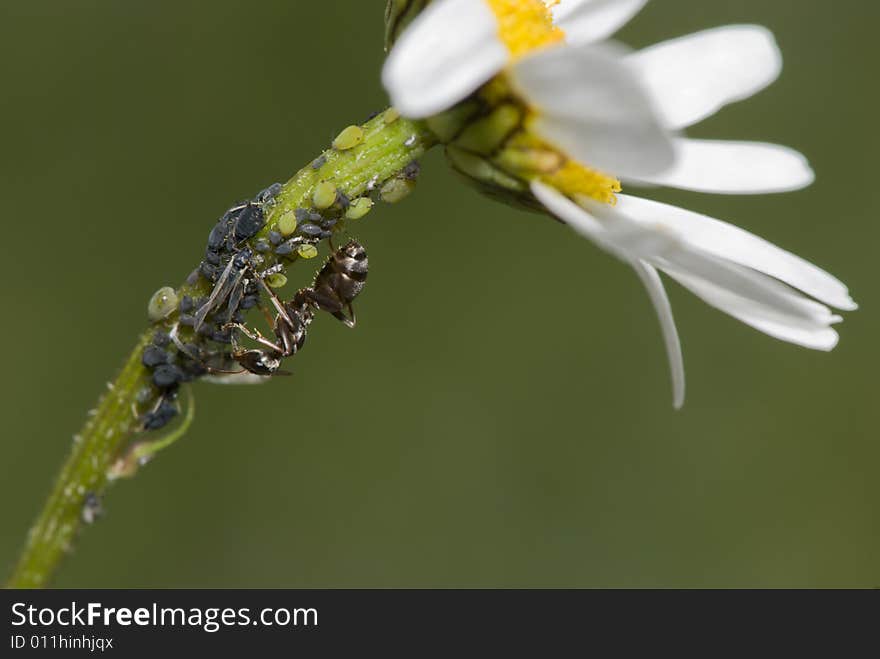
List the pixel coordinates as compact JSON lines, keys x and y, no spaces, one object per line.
{"x":277,"y":303}
{"x":254,"y":335}
{"x":324,"y":301}
{"x":332,"y":305}
{"x":350,"y":320}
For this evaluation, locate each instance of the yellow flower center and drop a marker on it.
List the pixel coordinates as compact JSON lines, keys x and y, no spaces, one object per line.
{"x":495,"y":142}
{"x":525,"y":25}
{"x":575,"y":179}
{"x":538,"y":160}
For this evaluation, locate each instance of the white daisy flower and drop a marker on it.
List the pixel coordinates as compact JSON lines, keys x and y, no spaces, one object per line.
{"x":529,"y":97}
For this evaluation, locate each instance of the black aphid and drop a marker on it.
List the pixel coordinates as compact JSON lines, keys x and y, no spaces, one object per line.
{"x":286,"y":248}
{"x":154,"y":356}
{"x":162,"y":415}
{"x":91,"y":508}
{"x":268,"y":195}
{"x":161,"y":339}
{"x":310,"y":230}
{"x":249,"y":221}
{"x":167,"y":375}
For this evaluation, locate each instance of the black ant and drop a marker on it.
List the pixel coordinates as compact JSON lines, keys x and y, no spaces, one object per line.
{"x":336,"y":285}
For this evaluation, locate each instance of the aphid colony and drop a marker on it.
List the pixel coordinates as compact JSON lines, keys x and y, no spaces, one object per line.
{"x":204,"y":339}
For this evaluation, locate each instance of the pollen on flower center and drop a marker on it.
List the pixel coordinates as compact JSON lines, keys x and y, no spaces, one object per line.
{"x":528,"y":156}
{"x":575,"y":179}
{"x":525,"y":25}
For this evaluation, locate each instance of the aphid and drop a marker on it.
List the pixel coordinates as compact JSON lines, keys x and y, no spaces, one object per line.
{"x":161,"y":339}
{"x":249,"y":302}
{"x":161,"y":415}
{"x":212,"y":257}
{"x":359,"y":208}
{"x":238,"y":224}
{"x":324,"y":195}
{"x":195,"y":361}
{"x":338,"y":283}
{"x":154,"y":356}
{"x":412,"y":170}
{"x":268,"y":195}
{"x":208,"y":271}
{"x":166,"y":376}
{"x":162,"y":304}
{"x":287,"y":248}
{"x":287,"y":223}
{"x":310,"y":230}
{"x":91,"y":508}
{"x":249,"y":221}
{"x":193,"y":277}
{"x":396,"y":189}
{"x":307,"y":251}
{"x":349,"y":138}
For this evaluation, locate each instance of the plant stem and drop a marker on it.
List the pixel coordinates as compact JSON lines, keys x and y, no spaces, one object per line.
{"x":389,"y":145}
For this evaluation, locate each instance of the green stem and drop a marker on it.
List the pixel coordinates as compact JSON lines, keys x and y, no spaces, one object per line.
{"x":388,"y":146}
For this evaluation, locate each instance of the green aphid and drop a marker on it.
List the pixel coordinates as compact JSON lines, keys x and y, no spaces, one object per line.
{"x":307,"y":251}
{"x":349,"y":138}
{"x":163,"y":303}
{"x":287,"y":224}
{"x":358,"y":208}
{"x":324,"y":195}
{"x":276,"y":280}
{"x":396,"y":189}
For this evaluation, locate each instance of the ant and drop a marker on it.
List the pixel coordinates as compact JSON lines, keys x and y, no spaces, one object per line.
{"x":336,"y":285}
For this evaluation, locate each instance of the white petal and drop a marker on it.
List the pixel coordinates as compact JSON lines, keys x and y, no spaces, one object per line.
{"x":726,"y":167}
{"x":447,"y":53}
{"x":754,"y":287}
{"x":576,"y":217}
{"x":750,"y":296}
{"x":586,"y":21}
{"x":585,"y":224}
{"x":693,"y":77}
{"x":651,"y":279}
{"x":729,"y":242}
{"x":799,"y":331}
{"x":593,"y":108}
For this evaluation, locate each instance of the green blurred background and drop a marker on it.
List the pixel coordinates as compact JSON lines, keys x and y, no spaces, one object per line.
{"x":450,"y":440}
